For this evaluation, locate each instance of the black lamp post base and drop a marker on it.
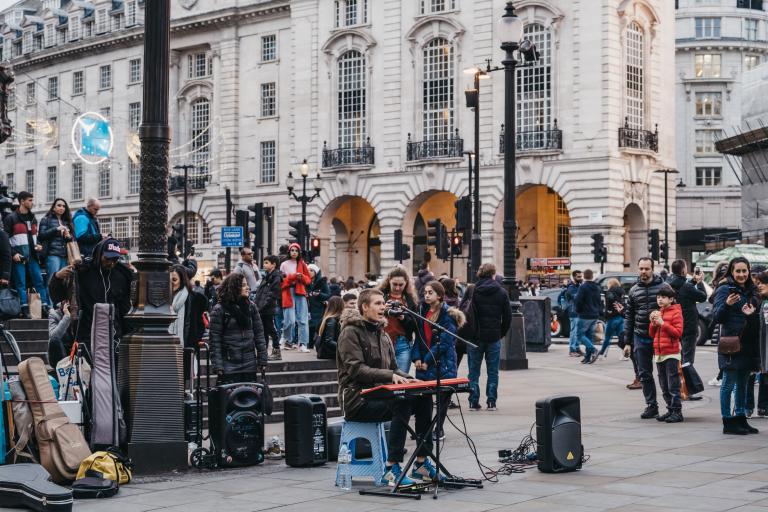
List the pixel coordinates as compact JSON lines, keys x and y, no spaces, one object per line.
{"x":513,"y":346}
{"x":155,"y":458}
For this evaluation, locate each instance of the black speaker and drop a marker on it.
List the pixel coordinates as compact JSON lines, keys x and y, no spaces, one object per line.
{"x":306,"y":436}
{"x":236,"y":424}
{"x":558,"y":434}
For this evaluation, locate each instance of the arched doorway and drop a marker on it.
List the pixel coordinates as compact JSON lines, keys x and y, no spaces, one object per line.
{"x":430,"y":206}
{"x":349,"y":228}
{"x":543,"y":231}
{"x":635,"y":235}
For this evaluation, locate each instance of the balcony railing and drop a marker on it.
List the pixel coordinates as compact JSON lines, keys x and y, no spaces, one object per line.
{"x":636,"y":138}
{"x":535,"y":140}
{"x":452,"y":147}
{"x":360,"y":155}
{"x":195,"y":182}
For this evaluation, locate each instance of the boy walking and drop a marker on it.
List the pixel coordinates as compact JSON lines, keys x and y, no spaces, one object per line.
{"x":665,"y":330}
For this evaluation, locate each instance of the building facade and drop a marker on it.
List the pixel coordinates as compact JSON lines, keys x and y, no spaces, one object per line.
{"x":717,"y":42}
{"x":371,"y":94}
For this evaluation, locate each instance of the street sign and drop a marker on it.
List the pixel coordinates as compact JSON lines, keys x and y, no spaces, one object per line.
{"x":232,"y":236}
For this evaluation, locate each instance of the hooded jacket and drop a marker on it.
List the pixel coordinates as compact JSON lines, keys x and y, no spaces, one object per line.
{"x":666,"y":339}
{"x":317,"y":302}
{"x":87,"y":231}
{"x":688,"y":294}
{"x":640,"y":302}
{"x":94,"y":285}
{"x":291,"y":280}
{"x":424,"y":350}
{"x":493,"y":313}
{"x":587,"y":302}
{"x":365,"y":358}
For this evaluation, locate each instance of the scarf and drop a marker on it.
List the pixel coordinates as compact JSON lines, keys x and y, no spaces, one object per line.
{"x":178,"y":306}
{"x":241,"y":311}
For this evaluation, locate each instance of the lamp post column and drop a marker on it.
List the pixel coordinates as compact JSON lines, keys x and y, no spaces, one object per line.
{"x":476,"y":247}
{"x":304,"y":234}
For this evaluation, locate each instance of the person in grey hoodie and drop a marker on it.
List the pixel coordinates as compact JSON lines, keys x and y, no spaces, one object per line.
{"x":588,"y":304}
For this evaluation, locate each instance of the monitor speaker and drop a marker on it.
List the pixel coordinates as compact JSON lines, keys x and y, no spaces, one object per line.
{"x":558,"y":434}
{"x":237,"y":424}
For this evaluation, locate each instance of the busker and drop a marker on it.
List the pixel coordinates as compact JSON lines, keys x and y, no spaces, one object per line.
{"x":365,"y":359}
{"x":666,"y":329}
{"x":640,"y":303}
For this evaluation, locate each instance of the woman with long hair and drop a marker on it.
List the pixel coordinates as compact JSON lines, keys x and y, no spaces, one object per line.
{"x":236,"y":333}
{"x":54,"y":232}
{"x":189,"y":307}
{"x":294,"y":298}
{"x":330,"y":328}
{"x":718,"y":277}
{"x":736,"y":303}
{"x":398,"y":290}
{"x":451,"y":291}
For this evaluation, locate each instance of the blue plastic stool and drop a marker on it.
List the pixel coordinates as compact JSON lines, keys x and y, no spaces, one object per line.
{"x":374,"y":467}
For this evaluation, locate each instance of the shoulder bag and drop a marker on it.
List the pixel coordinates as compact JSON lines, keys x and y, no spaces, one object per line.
{"x":10,"y":305}
{"x":728,"y":345}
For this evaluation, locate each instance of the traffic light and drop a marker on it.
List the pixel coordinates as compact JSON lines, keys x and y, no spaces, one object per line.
{"x":597,"y":247}
{"x":444,"y":249}
{"x":399,"y":245}
{"x":190,"y":248}
{"x":664,"y":251}
{"x":315,"y":248}
{"x":296,"y":232}
{"x":406,"y":252}
{"x":257,"y":221}
{"x":434,"y":232}
{"x":241,"y":219}
{"x":464,"y":215}
{"x":653,"y":244}
{"x":456,"y":245}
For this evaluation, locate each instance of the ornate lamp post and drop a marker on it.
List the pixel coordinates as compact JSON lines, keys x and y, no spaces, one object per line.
{"x":304,"y":199}
{"x":150,"y":358}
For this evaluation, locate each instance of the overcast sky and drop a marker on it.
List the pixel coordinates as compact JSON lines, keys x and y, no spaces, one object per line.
{"x":4,"y":4}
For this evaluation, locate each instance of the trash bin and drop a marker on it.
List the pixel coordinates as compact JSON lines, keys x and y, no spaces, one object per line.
{"x":537,"y":312}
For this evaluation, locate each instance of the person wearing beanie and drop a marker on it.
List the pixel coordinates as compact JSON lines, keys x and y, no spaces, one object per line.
{"x":294,"y":298}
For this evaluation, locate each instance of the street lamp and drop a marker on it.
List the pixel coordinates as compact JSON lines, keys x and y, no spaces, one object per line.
{"x":317,"y":184}
{"x":510,"y":30}
{"x":666,"y":173}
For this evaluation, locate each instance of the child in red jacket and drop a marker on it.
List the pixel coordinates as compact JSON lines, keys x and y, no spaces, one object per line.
{"x":666,"y":329}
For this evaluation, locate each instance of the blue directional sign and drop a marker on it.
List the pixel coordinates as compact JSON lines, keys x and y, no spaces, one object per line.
{"x":232,"y":236}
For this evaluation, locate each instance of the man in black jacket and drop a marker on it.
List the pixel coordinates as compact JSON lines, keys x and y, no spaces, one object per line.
{"x":266,"y":299}
{"x":588,"y":304}
{"x":493,"y":315}
{"x":689,"y":293}
{"x":641,"y":301}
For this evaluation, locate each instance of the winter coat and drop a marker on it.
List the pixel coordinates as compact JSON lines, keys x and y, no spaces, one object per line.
{"x":326,"y":346}
{"x":587,"y":303}
{"x":408,"y":322}
{"x":733,"y":322}
{"x":335,"y":289}
{"x":640,"y":302}
{"x":317,"y":302}
{"x":613,"y":296}
{"x":688,"y":295}
{"x":92,"y":282}
{"x":23,"y":237}
{"x":666,"y":339}
{"x":365,"y":358}
{"x":87,"y":231}
{"x":59,"y":335}
{"x":450,"y":319}
{"x":570,"y":295}
{"x":6,"y":258}
{"x":493,"y":312}
{"x":763,"y":312}
{"x":292,"y":281}
{"x":268,"y":293}
{"x":53,"y":242}
{"x":234,"y":350}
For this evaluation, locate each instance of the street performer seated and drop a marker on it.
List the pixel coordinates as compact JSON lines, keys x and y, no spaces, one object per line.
{"x":366,"y":358}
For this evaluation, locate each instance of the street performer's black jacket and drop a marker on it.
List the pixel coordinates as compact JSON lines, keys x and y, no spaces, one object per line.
{"x":640,"y":302}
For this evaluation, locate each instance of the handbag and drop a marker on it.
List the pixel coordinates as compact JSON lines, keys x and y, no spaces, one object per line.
{"x":728,"y":345}
{"x":10,"y":304}
{"x":692,"y":379}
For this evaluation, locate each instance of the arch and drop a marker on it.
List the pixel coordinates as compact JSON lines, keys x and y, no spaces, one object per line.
{"x":639,"y":9}
{"x":429,"y":205}
{"x":348,"y":39}
{"x":635,"y":232}
{"x":430,"y":27}
{"x":194,"y":90}
{"x":348,"y":227}
{"x":528,"y":7}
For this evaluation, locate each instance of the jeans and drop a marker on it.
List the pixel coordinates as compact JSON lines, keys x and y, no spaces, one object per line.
{"x":399,"y":412}
{"x":734,"y":381}
{"x":644,"y":357}
{"x":298,"y":314}
{"x":403,"y":353}
{"x":279,"y":319}
{"x":613,"y":327}
{"x":268,"y":321}
{"x":52,"y":265}
{"x":688,"y":344}
{"x":762,"y":392}
{"x":20,"y":277}
{"x":492,"y":353}
{"x":573,"y":340}
{"x":669,"y":382}
{"x":585,"y":332}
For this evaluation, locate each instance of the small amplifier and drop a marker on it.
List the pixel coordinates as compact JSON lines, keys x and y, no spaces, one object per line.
{"x":558,"y":434}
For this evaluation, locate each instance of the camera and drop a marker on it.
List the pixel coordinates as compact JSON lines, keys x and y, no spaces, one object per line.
{"x":394,"y":308}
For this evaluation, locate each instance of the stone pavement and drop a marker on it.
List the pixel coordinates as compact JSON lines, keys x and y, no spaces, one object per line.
{"x":634,"y":465}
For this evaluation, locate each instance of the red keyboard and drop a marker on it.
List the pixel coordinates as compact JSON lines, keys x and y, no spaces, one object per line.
{"x":424,"y":387}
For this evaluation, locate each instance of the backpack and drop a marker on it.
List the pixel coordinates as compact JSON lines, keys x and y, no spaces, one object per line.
{"x":470,"y":329}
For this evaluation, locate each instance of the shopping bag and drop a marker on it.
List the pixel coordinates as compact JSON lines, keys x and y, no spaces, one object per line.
{"x":35,"y":305}
{"x":692,"y":379}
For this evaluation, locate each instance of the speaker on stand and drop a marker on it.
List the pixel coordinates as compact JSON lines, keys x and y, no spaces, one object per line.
{"x":558,"y":434}
{"x":236,"y":423}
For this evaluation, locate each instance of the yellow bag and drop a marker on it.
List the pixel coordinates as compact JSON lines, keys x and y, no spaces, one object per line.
{"x":111,"y":464}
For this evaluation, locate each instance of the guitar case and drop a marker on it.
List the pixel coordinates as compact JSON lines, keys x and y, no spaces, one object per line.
{"x":107,"y":423}
{"x":28,"y":486}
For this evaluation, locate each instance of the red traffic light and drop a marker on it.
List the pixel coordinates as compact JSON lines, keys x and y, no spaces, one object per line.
{"x":315,"y":243}
{"x":456,"y":241}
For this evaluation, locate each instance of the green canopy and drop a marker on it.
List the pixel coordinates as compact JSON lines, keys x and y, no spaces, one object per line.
{"x":756,"y":254}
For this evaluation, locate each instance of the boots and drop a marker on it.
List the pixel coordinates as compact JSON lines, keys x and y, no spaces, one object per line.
{"x":675,"y":416}
{"x":742,"y":422}
{"x":732,"y":426}
{"x":25,"y":312}
{"x":275,"y":355}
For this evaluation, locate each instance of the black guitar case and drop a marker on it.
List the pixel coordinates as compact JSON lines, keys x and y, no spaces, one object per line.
{"x":28,"y":486}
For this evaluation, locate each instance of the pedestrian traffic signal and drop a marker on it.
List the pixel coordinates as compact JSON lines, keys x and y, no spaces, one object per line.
{"x":444,"y":249}
{"x":405,"y":252}
{"x":597,"y":248}
{"x":297,"y":232}
{"x":464,"y":215}
{"x":653,"y":244}
{"x":399,"y":245}
{"x":434,"y":231}
{"x":315,"y":248}
{"x":256,"y":221}
{"x":241,"y":219}
{"x":664,"y":251}
{"x":456,"y":245}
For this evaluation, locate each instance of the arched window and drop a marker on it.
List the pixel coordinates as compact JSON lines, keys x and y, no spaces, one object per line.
{"x":534,"y":91}
{"x":200,"y":135}
{"x":437,"y":92}
{"x":351,"y":100}
{"x":635,"y":59}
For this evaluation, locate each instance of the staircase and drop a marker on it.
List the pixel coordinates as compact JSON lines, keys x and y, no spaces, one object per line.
{"x":296,"y":374}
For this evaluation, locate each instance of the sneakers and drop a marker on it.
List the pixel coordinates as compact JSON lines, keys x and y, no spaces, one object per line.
{"x":674,"y":417}
{"x":650,"y":412}
{"x":475,"y":406}
{"x":715,"y":382}
{"x":303,"y":349}
{"x":762,"y":412}
{"x":289,"y":346}
{"x":574,"y":354}
{"x":425,"y":471}
{"x":275,"y":355}
{"x":636,"y":384}
{"x":393,"y":473}
{"x":438,"y":435}
{"x":491,"y":406}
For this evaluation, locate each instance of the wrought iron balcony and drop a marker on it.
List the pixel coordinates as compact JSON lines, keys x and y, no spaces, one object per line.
{"x":535,"y":140}
{"x":356,"y":155}
{"x":195,"y":182}
{"x":452,"y":147}
{"x":636,"y":138}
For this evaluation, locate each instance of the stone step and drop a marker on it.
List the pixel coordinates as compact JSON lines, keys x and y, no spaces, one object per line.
{"x":22,"y":335}
{"x":26,"y":324}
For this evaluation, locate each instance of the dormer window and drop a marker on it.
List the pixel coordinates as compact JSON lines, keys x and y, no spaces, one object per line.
{"x":37,"y":42}
{"x":50,"y":35}
{"x":118,"y":22}
{"x":74,"y":28}
{"x":130,"y":13}
{"x":26,"y":40}
{"x":88,"y":29}
{"x":101,"y":21}
{"x":63,"y":35}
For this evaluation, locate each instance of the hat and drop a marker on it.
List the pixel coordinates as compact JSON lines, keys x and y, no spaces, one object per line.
{"x":111,"y":248}
{"x":314,"y":268}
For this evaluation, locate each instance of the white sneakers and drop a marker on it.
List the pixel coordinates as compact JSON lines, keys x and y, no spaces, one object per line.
{"x":303,"y":349}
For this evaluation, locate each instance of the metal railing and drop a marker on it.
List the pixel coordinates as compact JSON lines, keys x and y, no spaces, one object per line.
{"x":196,"y":182}
{"x":452,"y":147}
{"x":533,"y":140}
{"x":636,"y":138}
{"x":356,"y":155}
